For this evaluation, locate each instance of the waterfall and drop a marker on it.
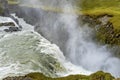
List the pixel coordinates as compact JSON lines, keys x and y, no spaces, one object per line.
{"x":73,"y":39}
{"x":81,"y":50}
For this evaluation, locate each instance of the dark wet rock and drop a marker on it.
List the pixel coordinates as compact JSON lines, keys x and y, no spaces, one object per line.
{"x":95,"y":20}
{"x":7,"y":24}
{"x":105,"y":32}
{"x":18,"y":78}
{"x":103,"y":28}
{"x":12,"y":29}
{"x":4,"y":11}
{"x":6,"y":30}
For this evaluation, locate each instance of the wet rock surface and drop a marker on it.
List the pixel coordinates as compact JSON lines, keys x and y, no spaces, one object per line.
{"x":5,"y":11}
{"x":105,"y":33}
{"x":7,"y":24}
{"x":12,"y":29}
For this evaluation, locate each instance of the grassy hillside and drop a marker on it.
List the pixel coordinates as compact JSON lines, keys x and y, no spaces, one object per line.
{"x":96,"y":76}
{"x":101,"y":7}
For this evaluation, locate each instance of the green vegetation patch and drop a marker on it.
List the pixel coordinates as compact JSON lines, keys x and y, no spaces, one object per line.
{"x":110,"y":32}
{"x":92,"y":4}
{"x":101,"y":7}
{"x":100,"y":75}
{"x":96,"y":76}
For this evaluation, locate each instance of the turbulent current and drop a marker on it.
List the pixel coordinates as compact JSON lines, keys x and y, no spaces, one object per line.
{"x":65,"y":31}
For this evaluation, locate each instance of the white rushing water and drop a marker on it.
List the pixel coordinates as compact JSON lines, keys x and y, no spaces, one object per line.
{"x":73,"y":39}
{"x":27,"y":51}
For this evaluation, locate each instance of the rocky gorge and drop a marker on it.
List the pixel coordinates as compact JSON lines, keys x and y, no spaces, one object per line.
{"x":106,"y":33}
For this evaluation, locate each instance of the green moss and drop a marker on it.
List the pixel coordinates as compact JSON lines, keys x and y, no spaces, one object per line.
{"x":116,"y":22}
{"x":96,"y":76}
{"x":101,"y":7}
{"x":91,"y":4}
{"x":37,"y":76}
{"x":101,"y":76}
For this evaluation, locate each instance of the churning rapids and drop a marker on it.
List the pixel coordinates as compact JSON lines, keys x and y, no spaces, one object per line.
{"x":81,"y":54}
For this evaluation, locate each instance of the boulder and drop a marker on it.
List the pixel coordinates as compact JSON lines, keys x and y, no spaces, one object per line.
{"x":7,"y":24}
{"x":12,"y":29}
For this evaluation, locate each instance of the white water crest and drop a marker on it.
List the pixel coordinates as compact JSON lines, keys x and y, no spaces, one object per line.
{"x":73,"y":39}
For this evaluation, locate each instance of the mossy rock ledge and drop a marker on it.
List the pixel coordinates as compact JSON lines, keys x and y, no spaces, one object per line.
{"x":39,"y":76}
{"x":107,"y":31}
{"x":104,"y":17}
